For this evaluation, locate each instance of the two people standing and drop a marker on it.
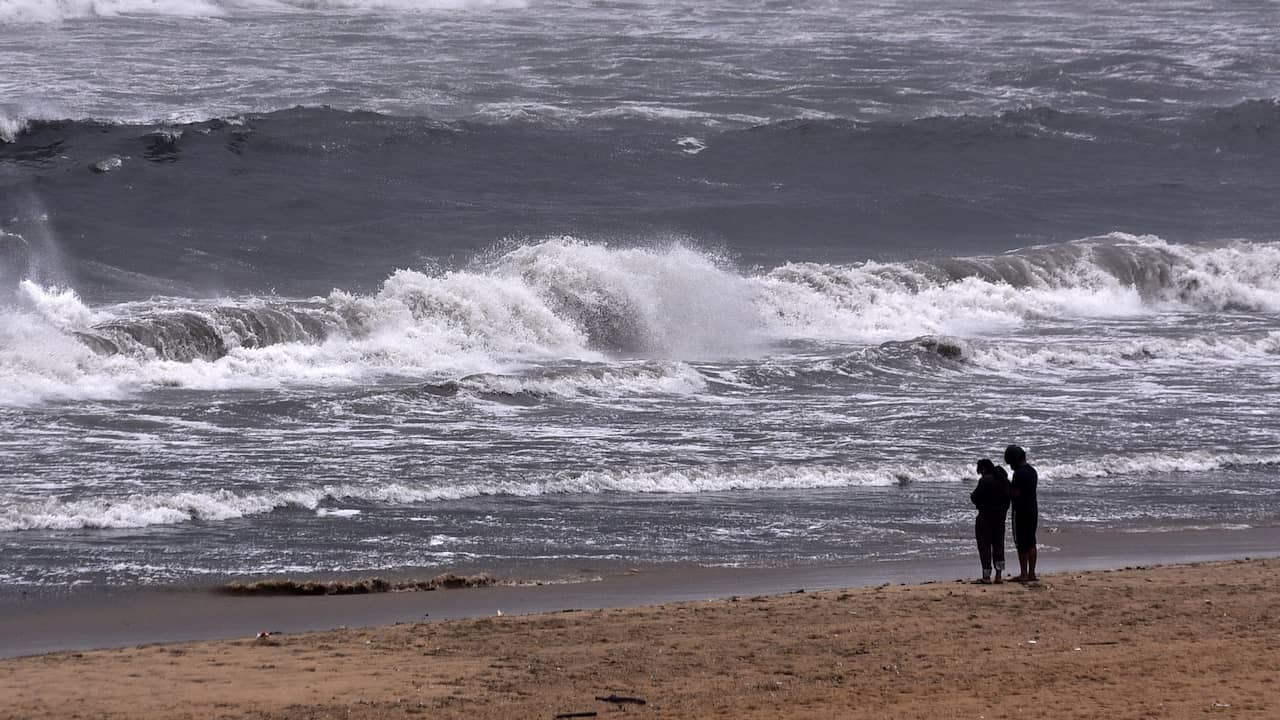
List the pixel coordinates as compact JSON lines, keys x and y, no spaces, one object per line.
{"x":997,"y":494}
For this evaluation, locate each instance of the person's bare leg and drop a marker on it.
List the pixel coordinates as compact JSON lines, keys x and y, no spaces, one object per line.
{"x":1031,"y":564}
{"x":1022,"y":556}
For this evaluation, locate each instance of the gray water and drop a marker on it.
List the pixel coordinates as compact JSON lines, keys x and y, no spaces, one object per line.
{"x":553,"y":288}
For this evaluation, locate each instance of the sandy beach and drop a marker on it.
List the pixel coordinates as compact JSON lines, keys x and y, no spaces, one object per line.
{"x":1195,"y":640}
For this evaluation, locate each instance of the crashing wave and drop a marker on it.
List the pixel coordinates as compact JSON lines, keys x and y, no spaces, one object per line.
{"x":565,"y":300}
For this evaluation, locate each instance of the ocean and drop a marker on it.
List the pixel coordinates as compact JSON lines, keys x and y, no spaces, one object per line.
{"x":552,"y":289}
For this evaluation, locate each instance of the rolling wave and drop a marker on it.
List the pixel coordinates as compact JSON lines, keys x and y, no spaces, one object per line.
{"x":211,"y":506}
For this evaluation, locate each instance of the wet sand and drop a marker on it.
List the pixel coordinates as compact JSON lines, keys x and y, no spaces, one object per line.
{"x":1196,"y":640}
{"x":35,"y":624}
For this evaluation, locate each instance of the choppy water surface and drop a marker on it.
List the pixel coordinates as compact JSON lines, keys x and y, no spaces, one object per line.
{"x":555,"y":287}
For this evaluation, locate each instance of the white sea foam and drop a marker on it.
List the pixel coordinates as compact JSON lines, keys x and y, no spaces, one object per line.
{"x":337,"y":512}
{"x":1159,"y":529}
{"x":565,"y":116}
{"x":1239,"y":276}
{"x":399,"y":5}
{"x":37,"y":11}
{"x":146,"y":510}
{"x":39,"y":361}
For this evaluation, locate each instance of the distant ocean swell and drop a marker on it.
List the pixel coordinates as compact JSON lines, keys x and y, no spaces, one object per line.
{"x":1247,"y":125}
{"x":136,"y":211}
{"x":167,"y":508}
{"x":564,"y":299}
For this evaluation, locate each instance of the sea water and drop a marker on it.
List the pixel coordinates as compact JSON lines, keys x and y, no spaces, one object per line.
{"x":547,"y":288}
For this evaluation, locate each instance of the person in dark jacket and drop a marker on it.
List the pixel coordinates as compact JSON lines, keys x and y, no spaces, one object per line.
{"x":991,"y":497}
{"x":1026,"y":511}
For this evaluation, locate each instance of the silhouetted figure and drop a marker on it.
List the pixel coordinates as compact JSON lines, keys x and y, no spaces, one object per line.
{"x":991,"y":497}
{"x":1026,"y":512}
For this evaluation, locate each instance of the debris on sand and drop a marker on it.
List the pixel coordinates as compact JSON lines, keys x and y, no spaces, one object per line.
{"x":363,"y":586}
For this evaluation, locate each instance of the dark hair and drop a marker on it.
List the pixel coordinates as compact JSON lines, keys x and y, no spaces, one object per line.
{"x":985,"y":466}
{"x":1015,"y":455}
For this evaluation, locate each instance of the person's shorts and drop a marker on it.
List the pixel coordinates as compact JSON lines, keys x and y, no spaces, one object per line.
{"x":1024,"y":530}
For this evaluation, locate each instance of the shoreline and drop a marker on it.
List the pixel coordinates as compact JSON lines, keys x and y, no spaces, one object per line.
{"x":1171,"y":641}
{"x":142,"y":616}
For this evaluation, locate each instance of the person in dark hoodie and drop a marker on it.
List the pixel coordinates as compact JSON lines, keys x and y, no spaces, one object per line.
{"x":1026,"y":511}
{"x":991,"y":497}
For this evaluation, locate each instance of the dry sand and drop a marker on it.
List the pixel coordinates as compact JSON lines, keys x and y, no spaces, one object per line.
{"x":1184,"y":641}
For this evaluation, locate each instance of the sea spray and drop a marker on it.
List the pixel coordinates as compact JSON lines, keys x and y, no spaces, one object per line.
{"x":10,"y":127}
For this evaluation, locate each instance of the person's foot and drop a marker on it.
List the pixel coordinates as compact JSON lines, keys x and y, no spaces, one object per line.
{"x":1020,"y":578}
{"x":1033,"y":578}
{"x":997,"y":581}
